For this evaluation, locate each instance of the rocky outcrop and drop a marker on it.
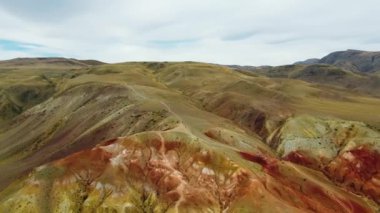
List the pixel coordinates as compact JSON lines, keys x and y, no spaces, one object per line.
{"x":347,"y":152}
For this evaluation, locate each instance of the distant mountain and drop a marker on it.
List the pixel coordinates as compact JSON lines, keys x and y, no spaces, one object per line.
{"x":248,"y":68}
{"x":352,"y":60}
{"x":308,"y":61}
{"x":55,"y":61}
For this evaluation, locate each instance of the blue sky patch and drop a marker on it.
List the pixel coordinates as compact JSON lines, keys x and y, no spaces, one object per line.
{"x":33,"y":49}
{"x":16,"y":46}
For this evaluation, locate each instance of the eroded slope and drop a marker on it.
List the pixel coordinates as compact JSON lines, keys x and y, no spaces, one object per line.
{"x":174,"y":172}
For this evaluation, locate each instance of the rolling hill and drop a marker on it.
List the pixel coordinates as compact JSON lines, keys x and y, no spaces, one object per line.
{"x":84,"y":136}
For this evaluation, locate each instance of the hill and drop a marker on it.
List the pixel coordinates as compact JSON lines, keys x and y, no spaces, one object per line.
{"x":187,"y":136}
{"x":324,"y":74}
{"x":351,"y":60}
{"x":48,"y":62}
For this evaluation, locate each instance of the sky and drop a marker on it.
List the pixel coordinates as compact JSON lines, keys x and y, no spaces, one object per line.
{"x":243,"y":32}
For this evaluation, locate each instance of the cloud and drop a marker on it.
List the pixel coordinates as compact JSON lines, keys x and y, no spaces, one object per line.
{"x":164,"y":44}
{"x":238,"y":36}
{"x":252,"y":32}
{"x":43,"y":10}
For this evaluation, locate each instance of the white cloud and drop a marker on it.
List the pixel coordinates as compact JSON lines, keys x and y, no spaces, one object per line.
{"x":252,"y":32}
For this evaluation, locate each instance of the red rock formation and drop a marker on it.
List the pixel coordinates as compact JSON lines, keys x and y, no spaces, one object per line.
{"x":358,"y":170}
